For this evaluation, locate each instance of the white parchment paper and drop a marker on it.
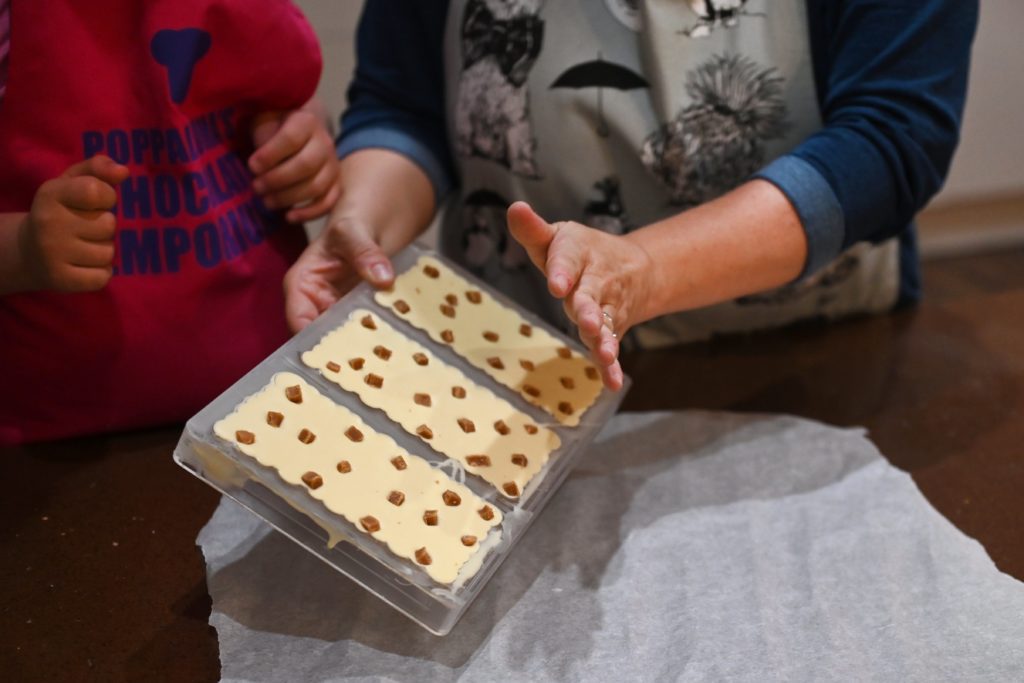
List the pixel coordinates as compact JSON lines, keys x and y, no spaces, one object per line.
{"x":685,"y":546}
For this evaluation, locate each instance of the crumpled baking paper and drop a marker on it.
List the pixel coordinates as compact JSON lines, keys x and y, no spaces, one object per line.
{"x":684,"y":547}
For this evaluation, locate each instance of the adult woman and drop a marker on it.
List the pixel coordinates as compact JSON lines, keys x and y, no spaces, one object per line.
{"x":761,"y":145}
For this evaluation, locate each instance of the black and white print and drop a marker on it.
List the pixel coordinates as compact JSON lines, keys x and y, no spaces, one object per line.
{"x":485,"y":240}
{"x":600,"y":75}
{"x":713,"y":14}
{"x":501,"y":40}
{"x":606,"y":211}
{"x":627,"y":12}
{"x":717,"y":141}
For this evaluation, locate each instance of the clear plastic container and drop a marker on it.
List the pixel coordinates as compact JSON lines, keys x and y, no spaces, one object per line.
{"x":293,"y":512}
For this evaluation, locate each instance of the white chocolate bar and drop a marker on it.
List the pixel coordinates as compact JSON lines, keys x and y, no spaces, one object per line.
{"x":372,"y":477}
{"x":491,"y":336}
{"x":490,"y":437}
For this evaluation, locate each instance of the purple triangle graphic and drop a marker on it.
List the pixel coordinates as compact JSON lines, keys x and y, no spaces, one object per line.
{"x":179,"y":51}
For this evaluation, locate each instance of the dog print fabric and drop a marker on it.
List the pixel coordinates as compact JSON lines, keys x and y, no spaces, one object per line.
{"x":501,"y":40}
{"x":619,"y":113}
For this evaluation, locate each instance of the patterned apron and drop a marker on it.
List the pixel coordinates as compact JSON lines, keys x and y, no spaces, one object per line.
{"x":618,"y":113}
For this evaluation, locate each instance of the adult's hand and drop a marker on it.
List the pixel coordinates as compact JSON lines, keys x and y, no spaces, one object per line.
{"x":345,"y":252}
{"x":604,"y":280}
{"x":748,"y":240}
{"x":386,"y":203}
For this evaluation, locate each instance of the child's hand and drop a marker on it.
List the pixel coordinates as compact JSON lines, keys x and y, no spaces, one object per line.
{"x":67,"y":241}
{"x":295,"y":164}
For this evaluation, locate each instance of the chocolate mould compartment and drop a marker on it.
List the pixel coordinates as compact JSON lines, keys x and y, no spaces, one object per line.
{"x":288,"y":508}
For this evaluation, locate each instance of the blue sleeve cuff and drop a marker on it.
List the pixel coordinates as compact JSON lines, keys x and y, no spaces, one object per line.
{"x":816,"y":204}
{"x":398,"y":140}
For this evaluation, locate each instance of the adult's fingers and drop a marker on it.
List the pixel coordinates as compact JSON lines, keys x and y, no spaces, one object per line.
{"x":292,"y":136}
{"x":612,"y":376}
{"x":564,"y":266}
{"x":604,"y":351}
{"x":604,"y":344}
{"x":607,"y":347}
{"x":561,"y":260}
{"x":569,"y":309}
{"x":531,"y":231}
{"x":356,"y":247}
{"x":586,"y":311}
{"x":308,"y":289}
{"x":299,"y":307}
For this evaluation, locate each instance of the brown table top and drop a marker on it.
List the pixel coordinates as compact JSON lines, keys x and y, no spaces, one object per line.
{"x":100,"y":577}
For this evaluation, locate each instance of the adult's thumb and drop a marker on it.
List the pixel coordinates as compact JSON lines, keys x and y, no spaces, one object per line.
{"x":356,"y":247}
{"x":531,"y":231}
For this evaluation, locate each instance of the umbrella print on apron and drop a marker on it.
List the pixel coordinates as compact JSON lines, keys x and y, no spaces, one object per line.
{"x":600,"y":74}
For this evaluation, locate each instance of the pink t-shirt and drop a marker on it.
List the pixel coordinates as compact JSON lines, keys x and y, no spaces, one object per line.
{"x":5,"y":43}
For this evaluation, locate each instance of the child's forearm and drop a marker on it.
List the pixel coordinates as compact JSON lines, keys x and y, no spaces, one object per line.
{"x":14,"y":274}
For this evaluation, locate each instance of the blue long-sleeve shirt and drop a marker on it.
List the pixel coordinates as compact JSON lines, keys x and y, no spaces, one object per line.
{"x":891,"y":79}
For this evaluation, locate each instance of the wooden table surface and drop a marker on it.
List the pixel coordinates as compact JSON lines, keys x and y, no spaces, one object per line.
{"x":100,"y":578}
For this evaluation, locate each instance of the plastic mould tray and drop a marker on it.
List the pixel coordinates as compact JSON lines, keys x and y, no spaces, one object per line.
{"x":307,"y":521}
